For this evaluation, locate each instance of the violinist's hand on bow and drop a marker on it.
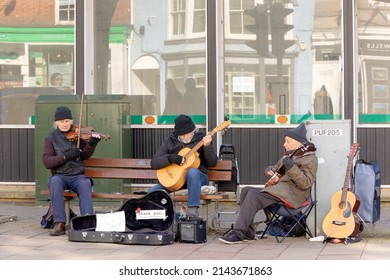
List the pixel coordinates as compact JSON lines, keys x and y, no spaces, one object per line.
{"x":269,"y":171}
{"x":95,"y":138}
{"x":207,"y":140}
{"x":274,"y":180}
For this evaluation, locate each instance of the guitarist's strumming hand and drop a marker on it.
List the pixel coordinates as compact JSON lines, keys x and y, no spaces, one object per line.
{"x":177,"y":159}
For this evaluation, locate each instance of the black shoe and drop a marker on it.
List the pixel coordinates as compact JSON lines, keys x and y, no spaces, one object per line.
{"x":250,"y":234}
{"x":231,"y":238}
{"x":192,"y":213}
{"x":58,"y":229}
{"x":249,"y":237}
{"x":193,"y":217}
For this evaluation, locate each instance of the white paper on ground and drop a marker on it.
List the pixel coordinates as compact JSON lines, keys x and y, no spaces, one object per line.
{"x":320,"y":238}
{"x":115,"y":221}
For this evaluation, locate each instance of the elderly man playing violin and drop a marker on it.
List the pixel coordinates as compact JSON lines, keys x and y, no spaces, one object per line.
{"x":64,"y":158}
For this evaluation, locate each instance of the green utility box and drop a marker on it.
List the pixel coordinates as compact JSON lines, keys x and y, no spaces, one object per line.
{"x":107,"y":114}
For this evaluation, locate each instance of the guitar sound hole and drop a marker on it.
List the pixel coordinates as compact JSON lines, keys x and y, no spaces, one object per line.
{"x":342,"y":204}
{"x":339,"y":223}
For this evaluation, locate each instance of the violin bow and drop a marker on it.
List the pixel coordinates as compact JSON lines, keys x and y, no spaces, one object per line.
{"x":80,"y":119}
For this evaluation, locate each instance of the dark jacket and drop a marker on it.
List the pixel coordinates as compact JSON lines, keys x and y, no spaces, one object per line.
{"x":54,"y":159}
{"x":172,"y":145}
{"x":295,"y":185}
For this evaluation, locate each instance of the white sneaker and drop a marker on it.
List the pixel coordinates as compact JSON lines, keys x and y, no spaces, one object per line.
{"x":208,"y":190}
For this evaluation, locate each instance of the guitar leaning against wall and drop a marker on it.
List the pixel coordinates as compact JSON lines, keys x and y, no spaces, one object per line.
{"x":173,"y":176}
{"x":341,"y":221}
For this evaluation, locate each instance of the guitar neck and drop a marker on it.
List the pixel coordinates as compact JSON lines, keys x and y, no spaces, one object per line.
{"x":199,"y":145}
{"x":194,"y":149}
{"x":347,"y":179}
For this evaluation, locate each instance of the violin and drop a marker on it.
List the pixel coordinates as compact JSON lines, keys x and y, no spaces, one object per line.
{"x":85,"y":133}
{"x":281,"y":170}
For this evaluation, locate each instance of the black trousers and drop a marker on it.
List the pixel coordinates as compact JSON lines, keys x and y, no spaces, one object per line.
{"x":251,"y":201}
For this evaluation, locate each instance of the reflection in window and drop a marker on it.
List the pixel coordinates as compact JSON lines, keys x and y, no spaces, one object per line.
{"x":178,"y":16}
{"x":10,"y":76}
{"x":183,"y":63}
{"x":237,"y":17}
{"x":66,"y":10}
{"x":199,"y":23}
{"x":374,"y":83}
{"x":300,"y":82}
{"x":32,"y":50}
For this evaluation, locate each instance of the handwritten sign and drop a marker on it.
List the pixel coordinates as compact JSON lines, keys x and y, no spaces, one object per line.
{"x":115,"y":221}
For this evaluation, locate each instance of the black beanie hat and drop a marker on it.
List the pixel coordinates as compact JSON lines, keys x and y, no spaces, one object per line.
{"x":298,"y":133}
{"x":62,"y":113}
{"x":184,"y":125}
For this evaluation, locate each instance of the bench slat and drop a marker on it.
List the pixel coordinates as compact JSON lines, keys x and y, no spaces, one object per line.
{"x":222,"y":165}
{"x":141,"y":163}
{"x":151,"y":174}
{"x":118,"y":162}
{"x":115,"y":173}
{"x":219,"y":175}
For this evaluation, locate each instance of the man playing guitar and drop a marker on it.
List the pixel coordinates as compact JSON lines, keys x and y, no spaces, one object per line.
{"x":185,"y":135}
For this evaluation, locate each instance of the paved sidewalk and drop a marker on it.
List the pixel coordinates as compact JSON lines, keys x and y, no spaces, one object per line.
{"x":24,"y":239}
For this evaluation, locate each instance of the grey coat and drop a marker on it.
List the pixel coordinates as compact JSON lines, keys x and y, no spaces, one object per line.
{"x":294,"y":187}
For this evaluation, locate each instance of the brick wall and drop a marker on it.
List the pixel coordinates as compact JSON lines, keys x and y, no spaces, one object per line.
{"x":41,"y":13}
{"x":32,"y":13}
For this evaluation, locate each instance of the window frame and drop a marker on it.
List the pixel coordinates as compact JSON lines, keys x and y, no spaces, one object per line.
{"x":188,"y":14}
{"x":57,"y":11}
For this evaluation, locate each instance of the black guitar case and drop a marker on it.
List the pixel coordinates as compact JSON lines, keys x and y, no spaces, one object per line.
{"x":145,"y":230}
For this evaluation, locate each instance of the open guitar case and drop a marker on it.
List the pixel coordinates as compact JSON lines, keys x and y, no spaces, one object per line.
{"x":148,"y":221}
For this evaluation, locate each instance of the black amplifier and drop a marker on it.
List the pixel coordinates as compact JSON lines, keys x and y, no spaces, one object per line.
{"x":192,"y":231}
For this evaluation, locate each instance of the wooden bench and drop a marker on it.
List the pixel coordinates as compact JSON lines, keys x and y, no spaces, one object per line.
{"x":139,"y":169}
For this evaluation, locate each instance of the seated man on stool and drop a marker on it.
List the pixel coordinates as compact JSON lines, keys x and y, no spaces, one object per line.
{"x":293,"y":187}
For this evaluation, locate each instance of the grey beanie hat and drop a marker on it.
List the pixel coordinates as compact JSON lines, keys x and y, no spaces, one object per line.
{"x":298,"y":133}
{"x":184,"y":125}
{"x":62,"y":113}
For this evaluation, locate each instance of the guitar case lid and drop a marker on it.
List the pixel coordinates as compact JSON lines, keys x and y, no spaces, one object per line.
{"x":152,"y":212}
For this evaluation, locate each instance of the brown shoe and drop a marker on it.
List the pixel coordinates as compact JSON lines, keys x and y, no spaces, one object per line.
{"x":58,"y":229}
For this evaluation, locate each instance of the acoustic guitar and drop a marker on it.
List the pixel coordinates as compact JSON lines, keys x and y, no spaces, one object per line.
{"x":341,"y":221}
{"x":173,"y":176}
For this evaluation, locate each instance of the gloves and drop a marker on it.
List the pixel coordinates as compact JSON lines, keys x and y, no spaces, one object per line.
{"x":93,"y":141}
{"x":288,"y":162}
{"x":72,"y":153}
{"x":174,"y":158}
